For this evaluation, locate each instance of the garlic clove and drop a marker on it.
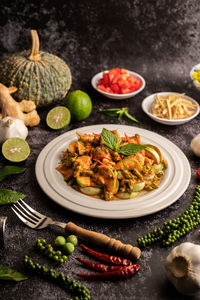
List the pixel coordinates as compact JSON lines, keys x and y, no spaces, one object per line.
{"x":195,"y":145}
{"x":183,"y":268}
{"x":12,"y":127}
{"x":9,"y":122}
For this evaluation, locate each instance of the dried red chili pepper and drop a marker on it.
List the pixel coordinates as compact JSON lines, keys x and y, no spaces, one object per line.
{"x":121,"y":273}
{"x":97,"y":134}
{"x":127,"y":138}
{"x":198,"y":173}
{"x":91,"y":149}
{"x":103,"y":164}
{"x":107,"y":258}
{"x":102,"y":157}
{"x":99,"y":267}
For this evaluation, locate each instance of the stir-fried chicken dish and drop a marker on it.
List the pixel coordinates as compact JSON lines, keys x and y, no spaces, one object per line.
{"x":94,"y":167}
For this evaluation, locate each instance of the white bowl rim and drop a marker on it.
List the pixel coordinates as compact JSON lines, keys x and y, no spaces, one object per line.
{"x":118,"y":95}
{"x":167,"y":120}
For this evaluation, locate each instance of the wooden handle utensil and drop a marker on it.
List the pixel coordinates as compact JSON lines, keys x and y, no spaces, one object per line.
{"x":103,"y":240}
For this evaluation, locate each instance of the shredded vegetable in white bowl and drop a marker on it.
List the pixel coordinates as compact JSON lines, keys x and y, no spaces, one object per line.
{"x":170,"y":108}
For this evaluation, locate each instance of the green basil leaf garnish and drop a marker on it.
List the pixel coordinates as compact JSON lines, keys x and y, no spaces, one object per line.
{"x":9,"y":274}
{"x":9,"y":196}
{"x":10,"y":170}
{"x":109,"y":138}
{"x":131,"y":148}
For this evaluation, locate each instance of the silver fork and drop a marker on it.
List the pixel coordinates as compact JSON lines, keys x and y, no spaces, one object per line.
{"x":33,"y":218}
{"x":36,"y":220}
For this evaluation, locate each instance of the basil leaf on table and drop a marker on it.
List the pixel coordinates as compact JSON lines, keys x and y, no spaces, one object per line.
{"x":109,"y":138}
{"x":131,"y":148}
{"x":10,"y":170}
{"x":9,"y":274}
{"x":9,"y":196}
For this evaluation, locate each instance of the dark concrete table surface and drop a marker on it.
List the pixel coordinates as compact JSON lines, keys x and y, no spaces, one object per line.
{"x":159,"y":40}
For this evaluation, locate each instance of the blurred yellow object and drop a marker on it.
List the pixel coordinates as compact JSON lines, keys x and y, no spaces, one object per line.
{"x":196,"y":75}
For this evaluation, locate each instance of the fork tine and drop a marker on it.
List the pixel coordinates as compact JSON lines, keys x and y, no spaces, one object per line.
{"x":28,"y":214}
{"x":23,"y":219}
{"x":36,"y":213}
{"x":27,"y":217}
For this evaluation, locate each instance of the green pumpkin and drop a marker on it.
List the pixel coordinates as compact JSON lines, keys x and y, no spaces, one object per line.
{"x":39,"y":76}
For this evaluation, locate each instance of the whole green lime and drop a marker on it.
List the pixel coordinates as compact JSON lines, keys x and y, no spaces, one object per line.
{"x":79,"y":105}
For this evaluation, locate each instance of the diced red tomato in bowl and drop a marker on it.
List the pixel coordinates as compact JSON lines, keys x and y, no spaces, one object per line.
{"x":119,"y":81}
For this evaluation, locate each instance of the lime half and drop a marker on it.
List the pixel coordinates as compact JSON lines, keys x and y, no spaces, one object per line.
{"x":15,"y":149}
{"x":58,"y":117}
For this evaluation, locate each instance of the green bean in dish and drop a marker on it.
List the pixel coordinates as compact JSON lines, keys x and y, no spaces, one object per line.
{"x":112,"y":167}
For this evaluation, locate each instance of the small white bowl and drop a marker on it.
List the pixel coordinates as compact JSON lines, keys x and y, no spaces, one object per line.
{"x":196,"y":83}
{"x":95,"y":79}
{"x":147,"y":102}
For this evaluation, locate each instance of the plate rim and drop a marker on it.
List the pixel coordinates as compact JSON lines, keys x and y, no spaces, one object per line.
{"x":40,"y":176}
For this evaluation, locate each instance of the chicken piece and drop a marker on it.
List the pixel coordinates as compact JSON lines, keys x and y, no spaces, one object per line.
{"x":65,"y":171}
{"x":130,"y":162}
{"x":140,"y":158}
{"x":102,"y":151}
{"x":117,"y":135}
{"x":83,"y":161}
{"x":103,"y":174}
{"x":91,"y":138}
{"x":82,"y":149}
{"x":73,"y":147}
{"x":107,"y":178}
{"x":148,"y":161}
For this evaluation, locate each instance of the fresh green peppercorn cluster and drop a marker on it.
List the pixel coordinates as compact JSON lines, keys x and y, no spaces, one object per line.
{"x":172,"y":230}
{"x":80,"y":291}
{"x":48,"y":250}
{"x":66,"y":245}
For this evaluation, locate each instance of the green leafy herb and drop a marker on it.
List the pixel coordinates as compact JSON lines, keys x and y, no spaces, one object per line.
{"x":119,"y":113}
{"x":9,"y":196}
{"x":9,"y":274}
{"x":111,"y":142}
{"x":10,"y":170}
{"x":131,"y":148}
{"x":109,"y":138}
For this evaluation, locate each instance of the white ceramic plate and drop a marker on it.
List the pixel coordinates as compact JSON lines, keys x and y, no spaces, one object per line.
{"x":173,"y":185}
{"x":147,"y":102}
{"x":95,"y":79}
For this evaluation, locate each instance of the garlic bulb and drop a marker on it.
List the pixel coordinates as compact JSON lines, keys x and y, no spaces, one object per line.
{"x":12,"y":127}
{"x":195,"y":145}
{"x":183,"y":268}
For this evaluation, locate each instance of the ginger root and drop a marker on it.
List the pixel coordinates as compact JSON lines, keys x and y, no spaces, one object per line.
{"x":24,"y":110}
